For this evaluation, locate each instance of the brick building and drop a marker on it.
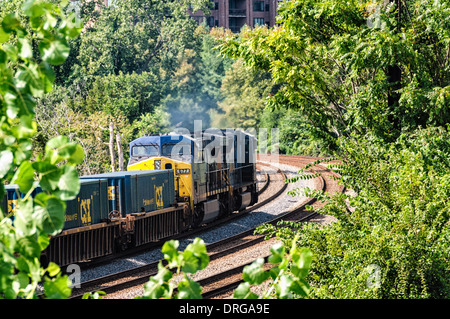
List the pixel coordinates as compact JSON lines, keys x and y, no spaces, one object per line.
{"x":234,"y":14}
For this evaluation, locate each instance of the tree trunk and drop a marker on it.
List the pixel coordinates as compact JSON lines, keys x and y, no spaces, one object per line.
{"x":394,"y":74}
{"x":111,"y":146}
{"x":120,"y":151}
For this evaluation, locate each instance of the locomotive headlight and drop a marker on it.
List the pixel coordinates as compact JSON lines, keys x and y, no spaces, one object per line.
{"x":158,"y":164}
{"x":182,"y":170}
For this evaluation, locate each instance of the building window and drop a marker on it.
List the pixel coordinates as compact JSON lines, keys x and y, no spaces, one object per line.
{"x":216,"y":6}
{"x":211,"y":21}
{"x":258,"y":5}
{"x":258,"y":21}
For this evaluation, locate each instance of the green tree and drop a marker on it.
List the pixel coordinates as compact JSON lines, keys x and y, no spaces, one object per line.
{"x":195,"y":85}
{"x":390,"y":238}
{"x":128,"y":94}
{"x":122,"y":65}
{"x":334,"y":67}
{"x":294,"y":135}
{"x":152,"y":123}
{"x":244,"y":92}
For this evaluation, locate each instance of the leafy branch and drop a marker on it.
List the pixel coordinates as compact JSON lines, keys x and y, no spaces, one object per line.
{"x":25,"y":232}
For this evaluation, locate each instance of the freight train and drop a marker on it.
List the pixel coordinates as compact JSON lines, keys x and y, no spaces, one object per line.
{"x":174,"y":182}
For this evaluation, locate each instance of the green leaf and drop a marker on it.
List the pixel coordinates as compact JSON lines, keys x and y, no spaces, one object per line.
{"x":11,"y":22}
{"x":72,"y":152}
{"x":12,"y":109}
{"x":195,"y":256}
{"x":49,"y":213}
{"x":4,"y":36}
{"x":300,"y":287}
{"x":53,"y":269}
{"x":11,"y":51}
{"x":189,"y":289}
{"x":25,"y":49}
{"x":278,"y":252}
{"x":30,"y":265}
{"x":302,"y":259}
{"x":33,"y":10}
{"x":43,"y":241}
{"x":157,"y":287}
{"x":283,"y":287}
{"x":30,"y":77}
{"x":28,"y":247}
{"x":23,"y":218}
{"x":54,"y":52}
{"x":68,"y":184}
{"x":24,"y":177}
{"x":95,"y":295}
{"x":59,"y":148}
{"x":6,"y":161}
{"x":47,"y":75}
{"x":254,"y":273}
{"x":243,"y":292}
{"x":171,"y":254}
{"x":58,"y":288}
{"x":163,"y":275}
{"x":19,"y":103}
{"x":49,"y":175}
{"x":52,"y":148}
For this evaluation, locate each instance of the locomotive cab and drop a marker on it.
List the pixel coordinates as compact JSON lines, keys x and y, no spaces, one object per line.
{"x":166,"y":152}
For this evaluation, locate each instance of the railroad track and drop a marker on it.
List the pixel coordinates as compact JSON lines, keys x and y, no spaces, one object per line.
{"x":213,"y":285}
{"x":129,"y":278}
{"x":230,"y":279}
{"x":133,"y":251}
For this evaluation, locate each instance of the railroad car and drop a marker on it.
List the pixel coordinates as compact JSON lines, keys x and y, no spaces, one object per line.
{"x":12,"y":195}
{"x":138,"y":191}
{"x":128,"y":209}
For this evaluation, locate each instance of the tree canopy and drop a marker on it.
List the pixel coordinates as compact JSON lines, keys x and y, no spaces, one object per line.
{"x":334,"y":58}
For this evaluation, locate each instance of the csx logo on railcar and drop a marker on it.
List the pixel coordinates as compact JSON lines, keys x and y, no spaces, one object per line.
{"x":85,"y":210}
{"x":111,"y":192}
{"x":159,"y":197}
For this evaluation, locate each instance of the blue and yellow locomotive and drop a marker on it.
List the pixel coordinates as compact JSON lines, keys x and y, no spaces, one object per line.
{"x":215,"y":170}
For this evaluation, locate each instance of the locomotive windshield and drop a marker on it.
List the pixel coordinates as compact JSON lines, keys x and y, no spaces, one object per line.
{"x":145,"y":150}
{"x":176,"y":150}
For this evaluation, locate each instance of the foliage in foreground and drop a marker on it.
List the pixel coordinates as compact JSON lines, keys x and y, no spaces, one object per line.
{"x":26,"y":74}
{"x":291,"y":265}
